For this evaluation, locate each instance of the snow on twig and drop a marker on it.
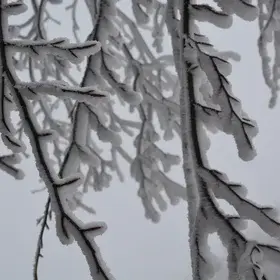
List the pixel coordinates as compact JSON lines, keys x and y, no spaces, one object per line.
{"x":205,"y":100}
{"x":67,"y":224}
{"x":59,"y":47}
{"x":270,"y":33}
{"x":203,"y":184}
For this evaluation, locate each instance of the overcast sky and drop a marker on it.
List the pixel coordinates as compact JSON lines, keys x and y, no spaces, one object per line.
{"x":133,"y":247}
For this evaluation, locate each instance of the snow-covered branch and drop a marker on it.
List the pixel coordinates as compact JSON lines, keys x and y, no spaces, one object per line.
{"x":7,"y":164}
{"x":269,"y":25}
{"x":122,"y":69}
{"x":61,"y":90}
{"x":201,"y":71}
{"x":68,"y":225}
{"x":43,"y":221}
{"x":57,"y":47}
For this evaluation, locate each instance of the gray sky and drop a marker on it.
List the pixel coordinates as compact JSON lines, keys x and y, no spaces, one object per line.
{"x":133,"y":247}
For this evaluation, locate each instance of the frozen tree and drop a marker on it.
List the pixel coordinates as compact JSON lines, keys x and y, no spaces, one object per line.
{"x":182,"y":94}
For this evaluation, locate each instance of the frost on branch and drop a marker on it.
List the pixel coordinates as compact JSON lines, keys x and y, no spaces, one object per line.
{"x":59,"y":47}
{"x":61,"y":90}
{"x":145,"y":77}
{"x":229,"y":116}
{"x":243,"y":9}
{"x":121,"y":65}
{"x":7,"y":163}
{"x":269,"y":24}
{"x":209,"y":14}
{"x":62,"y":185}
{"x":13,"y":7}
{"x":71,"y":145}
{"x":206,"y":100}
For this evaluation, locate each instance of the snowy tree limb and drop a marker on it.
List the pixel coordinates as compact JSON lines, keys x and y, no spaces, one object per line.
{"x":44,"y":225}
{"x":152,"y":92}
{"x":58,"y":47}
{"x":66,"y":222}
{"x":269,"y":32}
{"x":201,"y":189}
{"x":7,"y":164}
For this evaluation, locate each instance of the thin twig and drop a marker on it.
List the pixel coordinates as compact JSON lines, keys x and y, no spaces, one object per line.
{"x":44,"y":225}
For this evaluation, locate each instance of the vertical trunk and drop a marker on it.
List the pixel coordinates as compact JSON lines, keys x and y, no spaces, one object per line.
{"x":192,"y":157}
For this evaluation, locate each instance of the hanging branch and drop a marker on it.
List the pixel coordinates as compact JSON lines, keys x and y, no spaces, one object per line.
{"x":270,"y":34}
{"x":150,"y":89}
{"x":67,"y":224}
{"x":203,"y":184}
{"x":44,"y":225}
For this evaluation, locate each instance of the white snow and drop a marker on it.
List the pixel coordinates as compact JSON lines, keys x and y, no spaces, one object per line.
{"x":206,"y":13}
{"x":60,"y":90}
{"x":58,"y":47}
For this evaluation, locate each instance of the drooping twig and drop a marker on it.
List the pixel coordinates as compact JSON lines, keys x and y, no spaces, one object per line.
{"x":39,"y":247}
